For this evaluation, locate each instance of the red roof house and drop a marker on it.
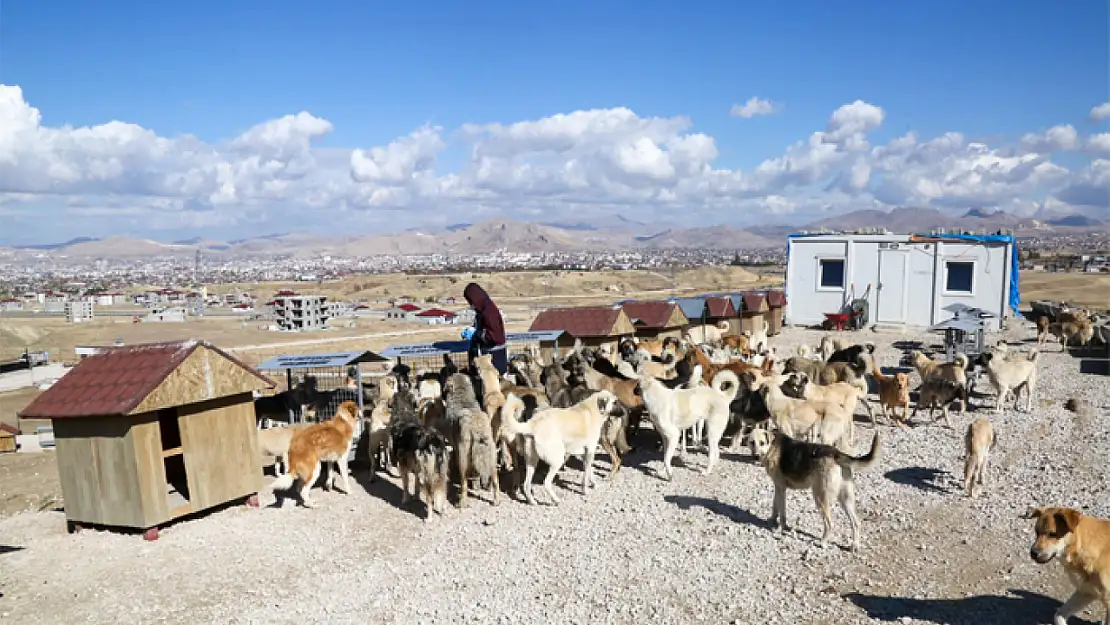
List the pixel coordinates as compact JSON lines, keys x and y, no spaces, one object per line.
{"x":591,"y":324}
{"x":656,"y":318}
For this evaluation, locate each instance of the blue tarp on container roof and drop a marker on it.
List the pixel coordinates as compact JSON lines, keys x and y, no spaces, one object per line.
{"x":1015,"y":290}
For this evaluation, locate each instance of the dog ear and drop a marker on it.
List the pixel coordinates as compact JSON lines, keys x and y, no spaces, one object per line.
{"x":1033,"y":513}
{"x":1066,"y":521}
{"x":602,"y":403}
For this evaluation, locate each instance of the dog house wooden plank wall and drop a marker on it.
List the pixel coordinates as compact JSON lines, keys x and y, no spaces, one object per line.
{"x":719,"y":308}
{"x":595,"y":326}
{"x":755,"y":311}
{"x":656,"y":319}
{"x":149,"y":433}
{"x":776,"y":305}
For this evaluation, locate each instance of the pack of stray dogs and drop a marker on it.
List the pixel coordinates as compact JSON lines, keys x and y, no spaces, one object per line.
{"x":466,"y":429}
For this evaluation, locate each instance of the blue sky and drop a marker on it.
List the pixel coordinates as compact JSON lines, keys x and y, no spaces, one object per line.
{"x":992,"y":71}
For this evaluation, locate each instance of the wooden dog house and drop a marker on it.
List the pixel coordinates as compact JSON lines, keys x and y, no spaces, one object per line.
{"x":656,"y":320}
{"x":719,"y":308}
{"x":776,"y":305}
{"x":149,"y":433}
{"x":754,"y":312}
{"x":7,"y":438}
{"x":594,"y":326}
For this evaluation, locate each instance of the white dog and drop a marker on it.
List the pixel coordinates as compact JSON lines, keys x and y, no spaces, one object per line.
{"x":673,"y":411}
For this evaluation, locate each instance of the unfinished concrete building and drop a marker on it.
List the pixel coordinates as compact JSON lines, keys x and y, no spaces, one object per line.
{"x":301,"y":313}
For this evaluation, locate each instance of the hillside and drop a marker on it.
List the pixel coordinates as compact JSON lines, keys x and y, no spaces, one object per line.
{"x":607,"y":233}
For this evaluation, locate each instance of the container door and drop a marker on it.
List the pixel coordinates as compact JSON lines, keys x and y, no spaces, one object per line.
{"x":894,"y":275}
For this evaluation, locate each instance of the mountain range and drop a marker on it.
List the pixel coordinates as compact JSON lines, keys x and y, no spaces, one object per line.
{"x":613,"y":233}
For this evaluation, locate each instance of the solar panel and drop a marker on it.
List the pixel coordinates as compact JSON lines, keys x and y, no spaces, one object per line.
{"x":311,"y":361}
{"x":438,"y":348}
{"x":534,"y":337}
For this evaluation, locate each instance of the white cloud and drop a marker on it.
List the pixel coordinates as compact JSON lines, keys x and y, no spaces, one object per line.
{"x":1055,"y":139}
{"x":754,"y":107}
{"x":1099,"y":144}
{"x":1100,"y":112}
{"x":276,"y":176}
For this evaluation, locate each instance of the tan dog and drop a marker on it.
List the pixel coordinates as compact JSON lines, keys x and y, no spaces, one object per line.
{"x":329,"y":441}
{"x":553,"y":434}
{"x":1042,"y":329}
{"x":978,"y":444}
{"x":699,"y":334}
{"x":274,"y":444}
{"x":1069,"y":333}
{"x":894,"y":393}
{"x":738,"y":342}
{"x":379,"y":424}
{"x":492,"y":399}
{"x":1082,"y":544}
{"x":818,"y":421}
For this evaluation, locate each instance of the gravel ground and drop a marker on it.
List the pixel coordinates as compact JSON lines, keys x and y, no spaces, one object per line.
{"x":634,"y":550}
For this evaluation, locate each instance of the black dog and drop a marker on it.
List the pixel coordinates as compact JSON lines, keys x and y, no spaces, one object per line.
{"x":851,"y":354}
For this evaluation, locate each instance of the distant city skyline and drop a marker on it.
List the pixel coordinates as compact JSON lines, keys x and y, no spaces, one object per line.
{"x":222,"y":121}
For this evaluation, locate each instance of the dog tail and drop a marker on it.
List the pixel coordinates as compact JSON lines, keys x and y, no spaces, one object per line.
{"x":860,"y":462}
{"x":804,"y":351}
{"x":511,"y":425}
{"x":284,"y":482}
{"x":1034,"y":355}
{"x":870,"y":347}
{"x":484,"y":458}
{"x":726,"y":383}
{"x":875,"y":370}
{"x":962,"y":360}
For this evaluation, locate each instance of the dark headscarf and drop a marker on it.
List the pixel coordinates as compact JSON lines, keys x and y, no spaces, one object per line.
{"x":490,"y":316}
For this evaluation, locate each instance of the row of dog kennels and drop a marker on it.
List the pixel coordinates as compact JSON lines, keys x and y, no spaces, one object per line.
{"x":146,"y":434}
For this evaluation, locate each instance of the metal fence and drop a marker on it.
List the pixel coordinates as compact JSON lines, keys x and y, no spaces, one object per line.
{"x":316,"y":385}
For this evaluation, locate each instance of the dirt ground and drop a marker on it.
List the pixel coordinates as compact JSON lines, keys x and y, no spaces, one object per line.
{"x":1081,"y":289}
{"x":30,"y":482}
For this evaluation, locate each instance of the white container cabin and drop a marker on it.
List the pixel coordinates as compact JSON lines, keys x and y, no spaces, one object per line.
{"x":913,"y":278}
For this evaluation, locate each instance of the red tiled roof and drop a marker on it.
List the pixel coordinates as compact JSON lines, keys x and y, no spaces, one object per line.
{"x":409,"y":307}
{"x":587,"y":321}
{"x":285,"y":294}
{"x":720,"y":307}
{"x":777,"y":299}
{"x":753,"y":300}
{"x":10,"y":429}
{"x":654,"y":315}
{"x":116,"y":380}
{"x":437,"y":312}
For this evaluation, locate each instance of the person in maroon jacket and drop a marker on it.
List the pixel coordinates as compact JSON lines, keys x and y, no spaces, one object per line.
{"x":488,"y":330}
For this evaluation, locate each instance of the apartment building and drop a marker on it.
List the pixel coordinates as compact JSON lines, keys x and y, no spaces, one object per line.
{"x":301,"y":313}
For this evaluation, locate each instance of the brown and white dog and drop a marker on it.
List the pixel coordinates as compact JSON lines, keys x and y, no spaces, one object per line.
{"x":978,"y":444}
{"x":329,"y":441}
{"x":1082,"y":545}
{"x":273,"y":442}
